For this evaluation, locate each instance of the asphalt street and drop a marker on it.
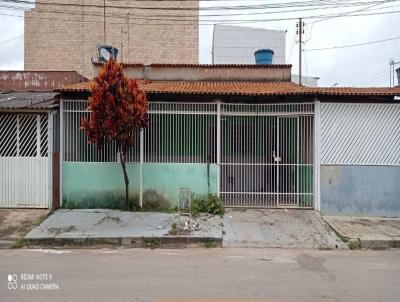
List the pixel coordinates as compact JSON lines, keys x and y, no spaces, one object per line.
{"x":228,"y":274}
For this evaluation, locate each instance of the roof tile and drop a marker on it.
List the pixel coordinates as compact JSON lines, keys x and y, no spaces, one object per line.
{"x":245,"y":88}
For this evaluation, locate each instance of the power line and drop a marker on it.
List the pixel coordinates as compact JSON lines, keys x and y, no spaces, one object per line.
{"x":353,"y":45}
{"x":239,"y":21}
{"x":311,"y":7}
{"x":12,"y":39}
{"x":384,"y":79}
{"x":371,"y":79}
{"x":180,"y":8}
{"x":348,"y":13}
{"x":376,"y":80}
{"x":196,"y":21}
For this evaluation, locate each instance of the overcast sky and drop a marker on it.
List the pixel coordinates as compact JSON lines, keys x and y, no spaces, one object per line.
{"x":347,"y":67}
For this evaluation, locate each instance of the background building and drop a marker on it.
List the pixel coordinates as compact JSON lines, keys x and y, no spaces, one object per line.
{"x":65,"y":36}
{"x":237,"y":44}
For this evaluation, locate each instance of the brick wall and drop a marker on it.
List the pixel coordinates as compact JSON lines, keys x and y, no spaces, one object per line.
{"x":66,"y":37}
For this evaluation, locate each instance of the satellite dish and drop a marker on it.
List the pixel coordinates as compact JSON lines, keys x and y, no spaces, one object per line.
{"x":105,"y":54}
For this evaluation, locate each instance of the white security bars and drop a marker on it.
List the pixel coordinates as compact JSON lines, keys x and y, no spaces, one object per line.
{"x":360,"y":134}
{"x":267,"y":155}
{"x":24,"y":161}
{"x":266,"y":151}
{"x":181,"y":133}
{"x":177,"y":133}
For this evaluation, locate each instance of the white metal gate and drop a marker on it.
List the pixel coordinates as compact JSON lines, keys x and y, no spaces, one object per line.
{"x":24,"y":162}
{"x":267,"y":155}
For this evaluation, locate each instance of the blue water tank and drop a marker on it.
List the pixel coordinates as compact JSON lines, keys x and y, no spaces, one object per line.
{"x":264,"y":56}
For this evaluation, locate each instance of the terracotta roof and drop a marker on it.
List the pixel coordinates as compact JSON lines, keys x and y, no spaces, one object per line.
{"x":356,"y":91}
{"x":266,"y":66}
{"x":244,"y":88}
{"x":203,"y":65}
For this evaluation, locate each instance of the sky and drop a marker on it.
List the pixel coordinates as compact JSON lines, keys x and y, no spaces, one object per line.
{"x":355,"y":66}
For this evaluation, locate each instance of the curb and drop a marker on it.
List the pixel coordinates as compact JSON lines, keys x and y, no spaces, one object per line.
{"x":373,"y":244}
{"x":379,"y":244}
{"x":125,"y":242}
{"x":5,"y":244}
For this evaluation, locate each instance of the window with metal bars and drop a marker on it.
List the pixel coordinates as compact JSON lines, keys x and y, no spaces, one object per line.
{"x":23,"y":135}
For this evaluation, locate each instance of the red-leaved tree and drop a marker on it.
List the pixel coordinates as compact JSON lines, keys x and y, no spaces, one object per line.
{"x":118,"y":109}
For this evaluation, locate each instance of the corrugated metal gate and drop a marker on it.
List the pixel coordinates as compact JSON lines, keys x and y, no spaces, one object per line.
{"x":267,"y":155}
{"x":24,"y":161}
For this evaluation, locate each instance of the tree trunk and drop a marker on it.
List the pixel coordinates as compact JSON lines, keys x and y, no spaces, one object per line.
{"x":122,"y":156}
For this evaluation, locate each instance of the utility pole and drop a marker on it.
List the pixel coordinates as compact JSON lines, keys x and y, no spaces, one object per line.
{"x":300,"y":32}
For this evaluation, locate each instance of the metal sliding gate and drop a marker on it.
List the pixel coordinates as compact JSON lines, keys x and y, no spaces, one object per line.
{"x":24,"y":160}
{"x":267,"y":155}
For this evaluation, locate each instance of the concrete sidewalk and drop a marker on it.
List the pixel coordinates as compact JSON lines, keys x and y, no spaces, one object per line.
{"x":278,"y":228}
{"x":370,"y":232}
{"x":98,"y":227}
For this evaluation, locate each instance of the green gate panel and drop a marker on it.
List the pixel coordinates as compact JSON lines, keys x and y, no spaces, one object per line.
{"x":165,"y":179}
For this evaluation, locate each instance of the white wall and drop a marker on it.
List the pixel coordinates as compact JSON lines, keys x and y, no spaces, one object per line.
{"x":236,"y":45}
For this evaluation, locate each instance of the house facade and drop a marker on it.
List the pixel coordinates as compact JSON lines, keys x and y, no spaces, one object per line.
{"x":28,"y":147}
{"x":243,"y":132}
{"x":248,"y":134}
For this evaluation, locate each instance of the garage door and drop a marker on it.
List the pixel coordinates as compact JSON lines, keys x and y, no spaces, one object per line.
{"x":24,"y":161}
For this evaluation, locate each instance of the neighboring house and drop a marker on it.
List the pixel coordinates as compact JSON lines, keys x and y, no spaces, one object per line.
{"x":65,"y":35}
{"x":246,"y":133}
{"x":237,"y":44}
{"x":28,"y":146}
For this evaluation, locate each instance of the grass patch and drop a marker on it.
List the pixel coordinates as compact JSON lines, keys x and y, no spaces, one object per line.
{"x":176,"y":230}
{"x":211,"y":204}
{"x":152,"y":243}
{"x":210,"y":243}
{"x":19,"y":243}
{"x":354,"y":244}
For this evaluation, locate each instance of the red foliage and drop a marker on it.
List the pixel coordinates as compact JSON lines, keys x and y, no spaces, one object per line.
{"x":117,"y":106}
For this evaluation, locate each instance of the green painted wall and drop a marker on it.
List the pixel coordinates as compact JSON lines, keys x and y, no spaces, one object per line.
{"x":166,"y":179}
{"x":94,"y":185}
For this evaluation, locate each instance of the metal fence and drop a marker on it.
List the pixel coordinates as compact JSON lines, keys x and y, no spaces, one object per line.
{"x":264,"y":152}
{"x":177,"y":133}
{"x":267,"y":155}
